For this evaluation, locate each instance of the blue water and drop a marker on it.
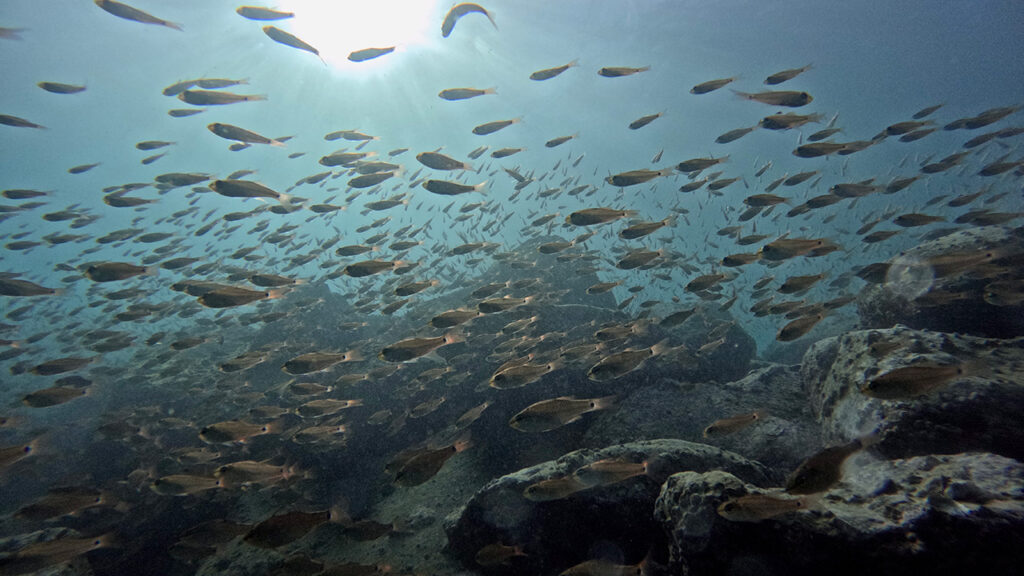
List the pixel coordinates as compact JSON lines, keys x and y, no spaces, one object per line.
{"x":874,"y":63}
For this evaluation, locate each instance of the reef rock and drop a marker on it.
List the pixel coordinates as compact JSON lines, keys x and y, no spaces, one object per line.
{"x":976,"y":406}
{"x":559,"y":533}
{"x":967,"y":281}
{"x":954,"y":514}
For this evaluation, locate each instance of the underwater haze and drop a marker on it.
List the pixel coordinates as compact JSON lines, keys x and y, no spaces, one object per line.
{"x":339,"y":287}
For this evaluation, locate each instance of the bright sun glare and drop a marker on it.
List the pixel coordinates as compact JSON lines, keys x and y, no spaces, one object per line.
{"x":339,"y":27}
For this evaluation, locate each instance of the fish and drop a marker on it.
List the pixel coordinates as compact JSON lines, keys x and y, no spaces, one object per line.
{"x":413,"y":348}
{"x":369,"y":53}
{"x":61,"y":501}
{"x":134,"y":14}
{"x":261,"y":13}
{"x":698,"y":164}
{"x":425,"y":464}
{"x":521,"y":375}
{"x":823,"y":470}
{"x":758,"y":507}
{"x":641,"y":229}
{"x":617,"y":72}
{"x":319,"y":361}
{"x":798,"y":327}
{"x":786,"y":98}
{"x":506,"y":152}
{"x":600,"y":567}
{"x":17,"y":122}
{"x":914,"y":219}
{"x":453,"y":94}
{"x":216,"y":98}
{"x":492,"y":127}
{"x":795,"y":284}
{"x":325,"y":407}
{"x":371,"y":267}
{"x":183,"y":485}
{"x":24,"y":288}
{"x":452,"y":318}
{"x":553,"y":489}
{"x":232,"y":431}
{"x":780,"y":77}
{"x":458,"y":11}
{"x":733,"y":135}
{"x":926,"y":111}
{"x":229,"y":132}
{"x":785,"y":248}
{"x":282,"y":37}
{"x":609,"y":471}
{"x":644,"y":121}
{"x":920,"y":379}
{"x":790,"y":120}
{"x":711,"y":85}
{"x":592,"y":216}
{"x":58,"y":88}
{"x":116,"y":271}
{"x":548,"y":415}
{"x":286,"y":528}
{"x":733,"y":424}
{"x":634,"y":177}
{"x":439,"y":161}
{"x":549,"y":73}
{"x":52,"y":396}
{"x":498,"y":554}
{"x":446,"y":188}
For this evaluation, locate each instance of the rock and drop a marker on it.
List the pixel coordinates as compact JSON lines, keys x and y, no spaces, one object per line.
{"x":954,"y":301}
{"x":558,"y":534}
{"x":953,"y":514}
{"x":978,"y":411}
{"x":669,"y":409}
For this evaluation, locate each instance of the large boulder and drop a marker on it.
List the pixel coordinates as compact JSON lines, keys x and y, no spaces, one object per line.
{"x":976,"y":410}
{"x":967,"y":282}
{"x":953,"y":514}
{"x":557,"y":534}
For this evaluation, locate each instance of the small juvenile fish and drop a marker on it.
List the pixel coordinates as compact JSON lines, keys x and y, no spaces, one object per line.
{"x":780,"y":77}
{"x":926,"y":111}
{"x":553,"y":489}
{"x":798,"y":328}
{"x":114,"y":271}
{"x":550,"y":414}
{"x":559,"y":140}
{"x":8,"y":120}
{"x":917,"y":380}
{"x":134,"y":14}
{"x":282,"y":529}
{"x":261,"y":13}
{"x":452,"y":94}
{"x":757,"y":507}
{"x":733,"y":424}
{"x":710,"y":85}
{"x":369,"y":54}
{"x":733,"y":135}
{"x":426,"y":464}
{"x":319,"y":361}
{"x":229,"y":132}
{"x":616,"y":72}
{"x":282,"y":37}
{"x":460,"y":10}
{"x":698,"y":164}
{"x":634,"y":177}
{"x":824,"y":470}
{"x":787,"y":98}
{"x":58,"y":88}
{"x":549,"y":73}
{"x":446,"y":188}
{"x":216,"y":98}
{"x":52,"y":396}
{"x":644,"y":121}
{"x":184,"y":112}
{"x":413,"y":348}
{"x":506,"y":152}
{"x":492,"y":127}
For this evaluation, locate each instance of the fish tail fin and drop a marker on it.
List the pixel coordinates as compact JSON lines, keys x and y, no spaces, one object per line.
{"x":575,"y":62}
{"x":275,"y":294}
{"x":276,"y":143}
{"x":481,"y":187}
{"x":173,"y":25}
{"x":761,"y":414}
{"x":744,"y":95}
{"x":643,"y":68}
{"x":491,"y":90}
{"x":255,"y":97}
{"x":354,"y":356}
{"x":660,"y":348}
{"x":285,"y":199}
{"x":354,"y":402}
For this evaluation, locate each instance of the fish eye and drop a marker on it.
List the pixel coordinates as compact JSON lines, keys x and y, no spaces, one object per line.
{"x":27,"y":449}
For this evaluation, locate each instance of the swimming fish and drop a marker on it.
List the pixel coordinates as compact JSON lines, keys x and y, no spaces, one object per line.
{"x":917,"y":380}
{"x":592,"y":216}
{"x":369,"y":54}
{"x":58,"y":88}
{"x":823,"y":470}
{"x":229,"y":132}
{"x":621,"y":363}
{"x":460,"y":10}
{"x":711,"y":85}
{"x":616,"y":72}
{"x":492,"y":127}
{"x":319,"y":361}
{"x":452,"y":94}
{"x":609,"y":471}
{"x":286,"y":528}
{"x":446,"y":188}
{"x":733,"y":424}
{"x":413,"y":348}
{"x":549,"y":73}
{"x":282,"y":37}
{"x":553,"y":489}
{"x":780,"y":77}
{"x":787,"y":98}
{"x":425,"y":464}
{"x":550,"y":414}
{"x":261,"y":13}
{"x":634,"y":177}
{"x":216,"y":98}
{"x":114,"y":271}
{"x":497,"y":554}
{"x":134,"y":14}
{"x":758,"y":507}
